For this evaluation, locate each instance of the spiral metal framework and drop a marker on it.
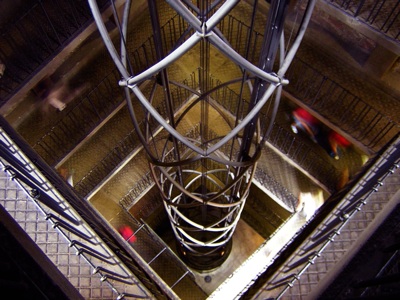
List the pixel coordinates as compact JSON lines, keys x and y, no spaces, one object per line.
{"x":204,"y":173}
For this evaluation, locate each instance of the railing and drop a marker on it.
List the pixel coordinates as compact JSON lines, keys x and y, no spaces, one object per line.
{"x":36,"y":37}
{"x":237,"y":33}
{"x":140,"y":187}
{"x":276,"y":188}
{"x":374,"y":129}
{"x":382,"y":15}
{"x":86,"y":115}
{"x":145,"y":55}
{"x":265,"y":179}
{"x":100,"y":102}
{"x":79,"y":226}
{"x":105,"y":166}
{"x":333,"y":222}
{"x":370,"y":124}
{"x":146,"y":182}
{"x":155,"y":252}
{"x":304,"y":156}
{"x":169,"y":266}
{"x":332,"y":101}
{"x":128,"y":144}
{"x":350,"y":206}
{"x":261,"y":176}
{"x":174,"y":32}
{"x":335,"y":103}
{"x":284,"y":140}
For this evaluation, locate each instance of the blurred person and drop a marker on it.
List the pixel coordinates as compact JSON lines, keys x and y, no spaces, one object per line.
{"x":54,"y":97}
{"x":68,"y":176}
{"x":2,"y":69}
{"x":127,"y":233}
{"x":337,"y":142}
{"x":306,"y":122}
{"x":58,"y":94}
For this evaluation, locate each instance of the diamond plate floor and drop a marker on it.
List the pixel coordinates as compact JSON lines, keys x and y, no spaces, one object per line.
{"x":54,"y":244}
{"x":26,"y":213}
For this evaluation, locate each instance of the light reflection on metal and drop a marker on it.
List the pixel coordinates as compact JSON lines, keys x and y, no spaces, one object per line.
{"x":203,"y":156}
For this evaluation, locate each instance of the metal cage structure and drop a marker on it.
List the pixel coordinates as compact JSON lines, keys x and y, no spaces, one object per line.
{"x":203,"y":155}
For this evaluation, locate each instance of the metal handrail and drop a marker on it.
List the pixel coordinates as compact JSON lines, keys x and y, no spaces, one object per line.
{"x":98,"y":227}
{"x":373,"y":127}
{"x":335,"y":103}
{"x":344,"y":215}
{"x":348,"y":205}
{"x":141,"y":185}
{"x":96,"y":105}
{"x":147,"y":181}
{"x":284,"y":140}
{"x":83,"y":118}
{"x":275,"y":188}
{"x":383,"y":16}
{"x":123,"y":148}
{"x":79,"y":234}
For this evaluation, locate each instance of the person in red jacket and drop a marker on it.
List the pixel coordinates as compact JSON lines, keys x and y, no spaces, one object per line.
{"x":303,"y":120}
{"x":336,"y":142}
{"x":127,"y":233}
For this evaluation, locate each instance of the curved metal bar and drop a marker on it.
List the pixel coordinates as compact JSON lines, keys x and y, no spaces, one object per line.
{"x":106,"y":38}
{"x":123,"y":30}
{"x":211,"y":156}
{"x":245,"y":64}
{"x":201,"y":200}
{"x":296,"y":44}
{"x":185,"y":87}
{"x":219,"y":15}
{"x":211,"y":243}
{"x":199,"y":174}
{"x":249,"y":117}
{"x":163,"y":122}
{"x":162,"y":64}
{"x":201,"y":227}
{"x":136,"y":123}
{"x":186,"y":14}
{"x":226,"y":185}
{"x":204,"y":95}
{"x":169,"y":59}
